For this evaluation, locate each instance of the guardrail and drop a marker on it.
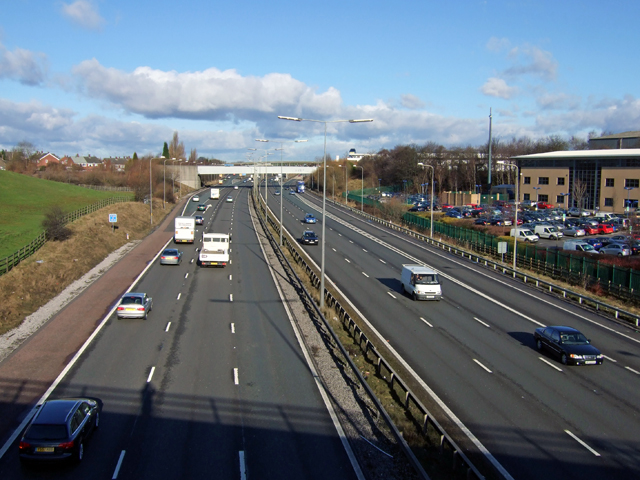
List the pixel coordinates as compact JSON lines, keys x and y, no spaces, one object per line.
{"x":425,"y":418}
{"x":25,"y":252}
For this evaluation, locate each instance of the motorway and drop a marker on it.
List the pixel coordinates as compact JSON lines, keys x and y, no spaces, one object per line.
{"x":213,"y":385}
{"x":537,"y":418}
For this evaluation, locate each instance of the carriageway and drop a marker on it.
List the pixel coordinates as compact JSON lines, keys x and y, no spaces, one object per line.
{"x":196,"y":175}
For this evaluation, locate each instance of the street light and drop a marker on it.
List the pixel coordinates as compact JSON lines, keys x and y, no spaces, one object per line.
{"x":282,"y":142}
{"x":628,"y":189}
{"x":164,"y":180}
{"x":324,"y":188}
{"x":537,"y":196}
{"x":362,"y":190}
{"x":515,"y":236}
{"x":150,"y":194}
{"x":433,"y":172}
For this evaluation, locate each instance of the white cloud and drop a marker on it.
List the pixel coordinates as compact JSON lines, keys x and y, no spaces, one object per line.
{"x":532,"y":61}
{"x":411,"y":102}
{"x":83,"y":13}
{"x":27,"y":67}
{"x":497,"y":87}
{"x":558,"y":101}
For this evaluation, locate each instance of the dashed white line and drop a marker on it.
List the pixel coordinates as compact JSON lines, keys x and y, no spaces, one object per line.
{"x":231,"y":297}
{"x":153,"y":369}
{"x":118,"y":465}
{"x":233,"y":328}
{"x":168,"y":326}
{"x":365,"y":250}
{"x":186,"y":275}
{"x":482,"y":365}
{"x":391,"y":295}
{"x":350,"y":241}
{"x":179,"y":295}
{"x":365,"y":275}
{"x":610,"y":359}
{"x":235,"y":376}
{"x":550,"y":364}
{"x":191,"y":261}
{"x":347,"y":260}
{"x":480,"y":321}
{"x":243,"y":469}
{"x":333,"y":249}
{"x":632,"y":370}
{"x":426,"y":322}
{"x":582,"y":443}
{"x":382,"y":260}
{"x":230,"y":277}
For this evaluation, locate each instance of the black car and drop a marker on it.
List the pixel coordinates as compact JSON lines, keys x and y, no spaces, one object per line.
{"x":199,"y":220}
{"x":481,"y":221}
{"x":569,"y":344}
{"x":309,"y":237}
{"x":417,"y":208}
{"x":202,"y":207}
{"x":59,"y":429}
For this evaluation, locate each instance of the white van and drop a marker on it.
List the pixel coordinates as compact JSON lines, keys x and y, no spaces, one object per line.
{"x":604,"y":216}
{"x":422,"y":283}
{"x":548,"y":231}
{"x":525,"y":234}
{"x":578,"y":247}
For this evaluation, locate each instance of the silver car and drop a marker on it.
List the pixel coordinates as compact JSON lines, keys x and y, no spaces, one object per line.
{"x":616,"y":249}
{"x":574,"y":231}
{"x":171,"y":256}
{"x":134,"y":305}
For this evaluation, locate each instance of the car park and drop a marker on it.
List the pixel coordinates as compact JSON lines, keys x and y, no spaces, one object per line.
{"x":621,"y":238}
{"x":202,"y":207}
{"x":195,"y":198}
{"x":615,"y":249}
{"x":578,"y":212}
{"x":603,"y":228}
{"x":309,"y":237}
{"x":229,"y":199}
{"x":590,"y":229}
{"x":578,"y":246}
{"x":171,"y":256}
{"x":481,"y":221}
{"x":454,"y":214}
{"x":59,"y":430}
{"x":199,"y":220}
{"x":571,"y":346}
{"x":134,"y":305}
{"x":309,"y":218}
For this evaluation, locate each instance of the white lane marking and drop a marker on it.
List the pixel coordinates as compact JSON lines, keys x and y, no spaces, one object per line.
{"x":340,"y":234}
{"x":365,"y":275}
{"x":364,"y":250}
{"x":191,"y":261}
{"x":333,"y":249}
{"x":347,"y":260}
{"x":118,"y":465}
{"x":391,"y":295}
{"x":610,"y":359}
{"x":382,"y":260}
{"x":186,"y":275}
{"x":480,"y":321}
{"x":350,"y":241}
{"x":235,"y":376}
{"x":230,"y":277}
{"x":243,"y":468}
{"x":482,"y":365}
{"x":153,"y":369}
{"x":179,"y":295}
{"x":550,"y":364}
{"x":168,"y":326}
{"x":632,"y":370}
{"x":426,"y":322}
{"x":582,"y":443}
{"x":233,"y":328}
{"x":231,"y":297}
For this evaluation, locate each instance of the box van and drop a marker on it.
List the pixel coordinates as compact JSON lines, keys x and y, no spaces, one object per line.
{"x":421,"y":283}
{"x":525,"y":234}
{"x":548,"y":231}
{"x":604,"y":216}
{"x":578,"y":247}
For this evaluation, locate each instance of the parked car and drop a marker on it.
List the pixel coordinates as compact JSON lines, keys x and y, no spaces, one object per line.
{"x":59,"y":430}
{"x":171,"y":256}
{"x":309,"y":237}
{"x":481,"y":221}
{"x":569,"y":344}
{"x":594,"y":242}
{"x":199,"y":220}
{"x":590,"y":229}
{"x":309,"y":218}
{"x":604,"y":228}
{"x":621,"y":238}
{"x":615,"y":249}
{"x":578,"y":212}
{"x":134,"y":305}
{"x":417,"y":208}
{"x":453,"y":214}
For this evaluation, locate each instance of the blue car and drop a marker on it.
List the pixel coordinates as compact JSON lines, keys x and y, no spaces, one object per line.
{"x":309,"y":218}
{"x":594,"y":242}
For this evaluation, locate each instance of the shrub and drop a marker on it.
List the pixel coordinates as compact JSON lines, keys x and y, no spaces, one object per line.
{"x":54,"y":224}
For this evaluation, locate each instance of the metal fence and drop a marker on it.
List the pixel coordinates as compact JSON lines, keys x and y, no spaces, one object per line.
{"x":25,"y":252}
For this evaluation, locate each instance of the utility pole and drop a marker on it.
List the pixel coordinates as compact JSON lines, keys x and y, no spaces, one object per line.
{"x":490,"y":142}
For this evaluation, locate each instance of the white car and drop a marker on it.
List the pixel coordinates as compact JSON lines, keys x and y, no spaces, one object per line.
{"x":235,"y":187}
{"x":195,"y":198}
{"x":229,"y":199}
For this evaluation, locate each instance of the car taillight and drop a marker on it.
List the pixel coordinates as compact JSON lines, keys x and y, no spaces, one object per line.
{"x":162,"y":258}
{"x":140,"y":309}
{"x":120,"y":308}
{"x":66,"y":445}
{"x":24,"y":445}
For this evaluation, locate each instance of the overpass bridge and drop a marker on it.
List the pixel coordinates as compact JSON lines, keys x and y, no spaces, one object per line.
{"x":197,"y":175}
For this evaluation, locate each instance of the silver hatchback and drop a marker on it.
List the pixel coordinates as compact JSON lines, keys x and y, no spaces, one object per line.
{"x":616,"y":249}
{"x":134,"y":305}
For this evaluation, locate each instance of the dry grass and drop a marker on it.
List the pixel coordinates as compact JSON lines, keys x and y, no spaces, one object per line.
{"x":57,"y":264}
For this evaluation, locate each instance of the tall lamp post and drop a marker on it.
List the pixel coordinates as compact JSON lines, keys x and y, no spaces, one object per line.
{"x":282,"y":142}
{"x":515,"y":237}
{"x":537,"y":195}
{"x":324,"y":188}
{"x":150,"y":194}
{"x":433,"y":171}
{"x":164,"y":180}
{"x":362,"y":190}
{"x":628,"y":189}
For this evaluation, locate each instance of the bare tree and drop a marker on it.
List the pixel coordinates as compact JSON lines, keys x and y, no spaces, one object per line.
{"x":176,"y":147}
{"x":579,"y":192}
{"x":193,"y":156}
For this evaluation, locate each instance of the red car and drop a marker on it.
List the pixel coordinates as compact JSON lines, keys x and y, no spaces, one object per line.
{"x":605,"y":228}
{"x":544,"y":205}
{"x":591,"y":230}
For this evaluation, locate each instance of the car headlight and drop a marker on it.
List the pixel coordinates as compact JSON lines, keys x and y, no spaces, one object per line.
{"x":575,"y":356}
{"x":600,"y":356}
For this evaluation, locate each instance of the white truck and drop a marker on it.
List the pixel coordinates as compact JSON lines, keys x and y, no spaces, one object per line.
{"x":185,"y":230}
{"x":215,"y":194}
{"x":215,"y":250}
{"x":525,"y":234}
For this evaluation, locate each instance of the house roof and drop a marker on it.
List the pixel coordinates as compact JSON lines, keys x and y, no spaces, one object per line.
{"x":613,"y":153}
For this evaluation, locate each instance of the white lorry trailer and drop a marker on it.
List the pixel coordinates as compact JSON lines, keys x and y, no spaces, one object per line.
{"x":215,"y":194}
{"x":215,"y":250}
{"x":185,"y":230}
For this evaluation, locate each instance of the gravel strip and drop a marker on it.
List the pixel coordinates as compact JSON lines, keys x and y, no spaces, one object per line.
{"x":14,"y":338}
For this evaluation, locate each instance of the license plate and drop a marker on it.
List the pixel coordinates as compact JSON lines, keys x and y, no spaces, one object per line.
{"x":430,"y":296}
{"x":44,"y":449}
{"x":590,"y":362}
{"x":130,"y":309}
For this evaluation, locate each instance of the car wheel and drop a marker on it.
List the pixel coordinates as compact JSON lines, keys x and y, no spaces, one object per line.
{"x":80,"y":452}
{"x":564,"y":359}
{"x":145,"y":315}
{"x":414,"y":296}
{"x":539,"y":345}
{"x":620,"y":255}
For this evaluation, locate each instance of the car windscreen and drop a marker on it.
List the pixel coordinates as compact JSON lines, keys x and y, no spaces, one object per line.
{"x":573,"y":339}
{"x":427,"y":279}
{"x":47,"y":432}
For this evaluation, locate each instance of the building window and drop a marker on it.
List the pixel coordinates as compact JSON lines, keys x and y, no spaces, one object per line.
{"x":543,"y":180}
{"x":560,"y":180}
{"x":527,"y":181}
{"x":608,"y":202}
{"x":608,"y":182}
{"x":526,"y":196}
{"x":560,"y":199}
{"x":543,"y":198}
{"x":631,"y":183}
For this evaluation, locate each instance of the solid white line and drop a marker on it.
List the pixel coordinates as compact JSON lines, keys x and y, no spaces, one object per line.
{"x":632,"y":370}
{"x":153,"y":369}
{"x":168,"y":326}
{"x":243,"y":468}
{"x":382,"y":260}
{"x":231,"y":297}
{"x":233,"y":328}
{"x":186,"y":275}
{"x":179,"y":296}
{"x":482,"y":365}
{"x":610,"y":359}
{"x":118,"y":465}
{"x":480,"y":321}
{"x":235,"y":376}
{"x":550,"y":364}
{"x":347,"y":260}
{"x":391,"y":295}
{"x":365,"y":275}
{"x":582,"y":443}
{"x":426,"y":322}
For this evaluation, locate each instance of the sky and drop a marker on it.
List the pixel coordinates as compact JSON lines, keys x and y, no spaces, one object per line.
{"x":113,"y":77}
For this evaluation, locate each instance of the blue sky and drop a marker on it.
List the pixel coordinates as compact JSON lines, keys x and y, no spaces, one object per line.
{"x":110,"y":77}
